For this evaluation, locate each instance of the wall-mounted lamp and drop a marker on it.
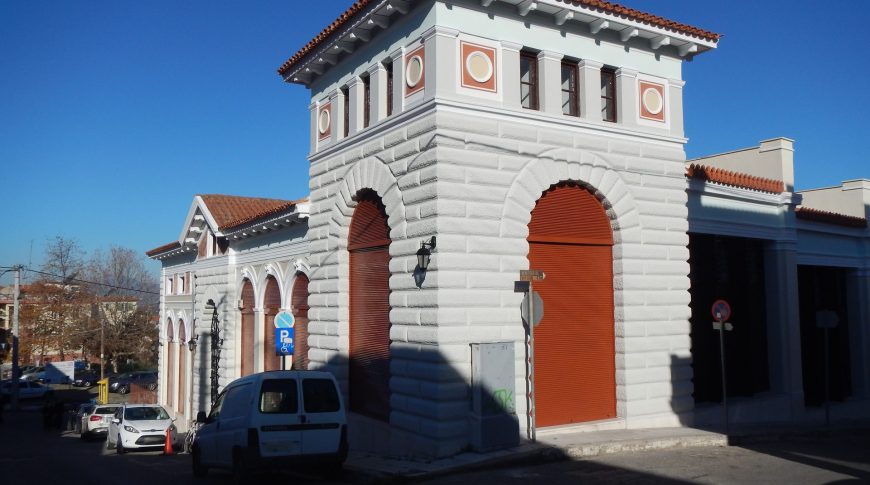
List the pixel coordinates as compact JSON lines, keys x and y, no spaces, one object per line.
{"x":191,"y":344}
{"x":424,"y":254}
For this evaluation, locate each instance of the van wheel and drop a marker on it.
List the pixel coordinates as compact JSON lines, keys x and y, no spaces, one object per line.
{"x":199,"y":470}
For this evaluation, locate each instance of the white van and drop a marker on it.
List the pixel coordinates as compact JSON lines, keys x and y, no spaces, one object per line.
{"x":274,"y":419}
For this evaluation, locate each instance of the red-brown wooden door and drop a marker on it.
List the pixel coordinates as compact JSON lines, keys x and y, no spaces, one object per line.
{"x":271,"y":307}
{"x":570,"y":239}
{"x":247,"y":340}
{"x":299,"y":303}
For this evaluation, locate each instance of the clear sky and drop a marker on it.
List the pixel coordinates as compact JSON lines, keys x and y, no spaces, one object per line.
{"x":114,"y":114}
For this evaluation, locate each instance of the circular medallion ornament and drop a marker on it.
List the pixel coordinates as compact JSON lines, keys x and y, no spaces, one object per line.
{"x":414,"y":71}
{"x":323,"y":121}
{"x":479,"y":66}
{"x":652,"y":101}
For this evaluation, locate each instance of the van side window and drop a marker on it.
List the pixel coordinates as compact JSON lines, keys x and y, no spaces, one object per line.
{"x":237,"y":402}
{"x":319,"y":396}
{"x":216,"y":408}
{"x":279,"y":396}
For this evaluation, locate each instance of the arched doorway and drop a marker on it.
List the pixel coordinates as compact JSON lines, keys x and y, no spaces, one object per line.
{"x":170,"y":364}
{"x":571,"y":240}
{"x":182,"y":367}
{"x":369,"y":243}
{"x":271,"y":307}
{"x":247,"y":340}
{"x":299,"y":304}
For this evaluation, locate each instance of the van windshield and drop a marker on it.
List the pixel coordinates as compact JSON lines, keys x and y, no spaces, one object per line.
{"x":279,"y":396}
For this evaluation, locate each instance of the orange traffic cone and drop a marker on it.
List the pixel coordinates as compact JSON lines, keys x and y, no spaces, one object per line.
{"x":167,"y":446}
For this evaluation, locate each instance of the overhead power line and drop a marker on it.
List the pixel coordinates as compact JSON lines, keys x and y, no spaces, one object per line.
{"x":69,"y":279}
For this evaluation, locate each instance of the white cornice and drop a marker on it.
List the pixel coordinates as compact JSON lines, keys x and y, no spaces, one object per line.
{"x":702,"y":187}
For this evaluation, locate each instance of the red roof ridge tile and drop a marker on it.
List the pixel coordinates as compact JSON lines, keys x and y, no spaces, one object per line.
{"x":828,"y":217}
{"x":735,"y":179}
{"x":266,"y":213}
{"x":600,"y":5}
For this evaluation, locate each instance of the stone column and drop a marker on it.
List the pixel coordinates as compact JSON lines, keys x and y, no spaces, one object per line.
{"x":783,"y":321}
{"x":626,"y":97}
{"x":550,"y":82}
{"x":259,"y":325}
{"x":858,"y":298}
{"x":312,"y":110}
{"x":590,"y":90}
{"x":440,"y":63}
{"x":336,"y":100}
{"x":674,"y":106}
{"x":378,"y":89}
{"x":510,"y":62}
{"x":355,"y":90}
{"x":398,"y":57}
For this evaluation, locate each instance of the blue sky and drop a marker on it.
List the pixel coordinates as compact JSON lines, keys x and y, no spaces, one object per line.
{"x":114,"y":114}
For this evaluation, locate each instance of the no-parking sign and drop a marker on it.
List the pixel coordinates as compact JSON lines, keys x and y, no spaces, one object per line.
{"x":721,"y":310}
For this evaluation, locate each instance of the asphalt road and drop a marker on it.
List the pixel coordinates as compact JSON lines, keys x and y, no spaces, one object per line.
{"x":29,"y":454}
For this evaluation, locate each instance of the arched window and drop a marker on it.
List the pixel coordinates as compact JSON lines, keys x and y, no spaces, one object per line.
{"x":368,"y":244}
{"x":271,"y":306}
{"x":247,"y":340}
{"x":299,"y":303}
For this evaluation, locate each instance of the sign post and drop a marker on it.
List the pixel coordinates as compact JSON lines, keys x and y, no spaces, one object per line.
{"x":721,"y":311}
{"x":285,"y":336}
{"x":826,"y":320}
{"x":532,"y":318}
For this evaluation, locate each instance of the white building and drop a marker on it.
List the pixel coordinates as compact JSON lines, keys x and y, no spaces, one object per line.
{"x":499,"y":136}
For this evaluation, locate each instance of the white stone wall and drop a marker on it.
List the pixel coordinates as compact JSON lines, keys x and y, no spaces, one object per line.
{"x":472,"y":180}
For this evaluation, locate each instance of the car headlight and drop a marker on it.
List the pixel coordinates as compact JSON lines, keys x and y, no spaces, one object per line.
{"x":131,"y":429}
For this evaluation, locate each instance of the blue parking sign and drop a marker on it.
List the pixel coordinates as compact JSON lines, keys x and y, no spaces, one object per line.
{"x":284,"y":341}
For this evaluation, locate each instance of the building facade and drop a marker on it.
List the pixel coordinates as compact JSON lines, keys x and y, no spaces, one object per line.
{"x":457,"y":145}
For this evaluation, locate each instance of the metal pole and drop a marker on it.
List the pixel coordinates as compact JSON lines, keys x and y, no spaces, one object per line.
{"x":102,"y":342}
{"x":827,"y":381}
{"x":529,"y":317}
{"x":15,"y":333}
{"x":724,"y":381}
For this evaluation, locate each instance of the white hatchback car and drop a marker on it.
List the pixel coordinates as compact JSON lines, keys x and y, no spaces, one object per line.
{"x":137,"y":426}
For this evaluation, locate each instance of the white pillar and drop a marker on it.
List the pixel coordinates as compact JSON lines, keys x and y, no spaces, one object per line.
{"x":440,"y":63}
{"x":312,"y":110}
{"x":356,"y":91}
{"x":550,"y":82}
{"x":336,"y":114}
{"x":675,"y":106}
{"x":378,"y":93}
{"x":259,"y":325}
{"x":398,"y":57}
{"x":590,"y":90}
{"x":626,"y":97}
{"x":783,"y":321}
{"x":510,"y":61}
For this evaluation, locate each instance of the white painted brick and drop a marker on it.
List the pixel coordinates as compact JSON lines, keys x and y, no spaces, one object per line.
{"x":451,"y":172}
{"x":488,"y":177}
{"x":590,"y":142}
{"x":465,"y":124}
{"x":514,"y":131}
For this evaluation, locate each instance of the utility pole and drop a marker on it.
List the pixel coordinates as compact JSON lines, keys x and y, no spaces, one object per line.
{"x":15,"y":331}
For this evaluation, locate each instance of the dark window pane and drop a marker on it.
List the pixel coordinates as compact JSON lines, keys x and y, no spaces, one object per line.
{"x":320,"y":396}
{"x":279,"y":396}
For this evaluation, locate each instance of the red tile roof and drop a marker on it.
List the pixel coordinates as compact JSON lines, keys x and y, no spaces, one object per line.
{"x":287,"y":206}
{"x":229,"y":210}
{"x":826,"y":217}
{"x":601,"y":6}
{"x":163,"y":249}
{"x":735,"y":179}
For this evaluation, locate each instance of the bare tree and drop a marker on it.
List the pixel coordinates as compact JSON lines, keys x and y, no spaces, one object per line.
{"x":63,"y":258}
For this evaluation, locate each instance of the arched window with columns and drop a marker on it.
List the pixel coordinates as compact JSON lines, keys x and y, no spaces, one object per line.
{"x":170,"y":363}
{"x":271,"y":307}
{"x":182,"y":367}
{"x":299,"y":304}
{"x":247,"y":334}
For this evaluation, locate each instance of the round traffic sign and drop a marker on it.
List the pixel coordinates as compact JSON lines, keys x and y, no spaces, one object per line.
{"x":284,"y":319}
{"x":721,"y":310}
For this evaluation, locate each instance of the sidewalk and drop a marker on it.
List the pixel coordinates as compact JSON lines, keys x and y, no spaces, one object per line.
{"x":567,"y":444}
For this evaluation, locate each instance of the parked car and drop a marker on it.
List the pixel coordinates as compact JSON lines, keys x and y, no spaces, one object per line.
{"x":85,"y":378}
{"x":136,"y":426}
{"x":123,"y":383}
{"x":93,"y":420}
{"x":27,"y":389}
{"x":274,"y":419}
{"x":36,"y":373}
